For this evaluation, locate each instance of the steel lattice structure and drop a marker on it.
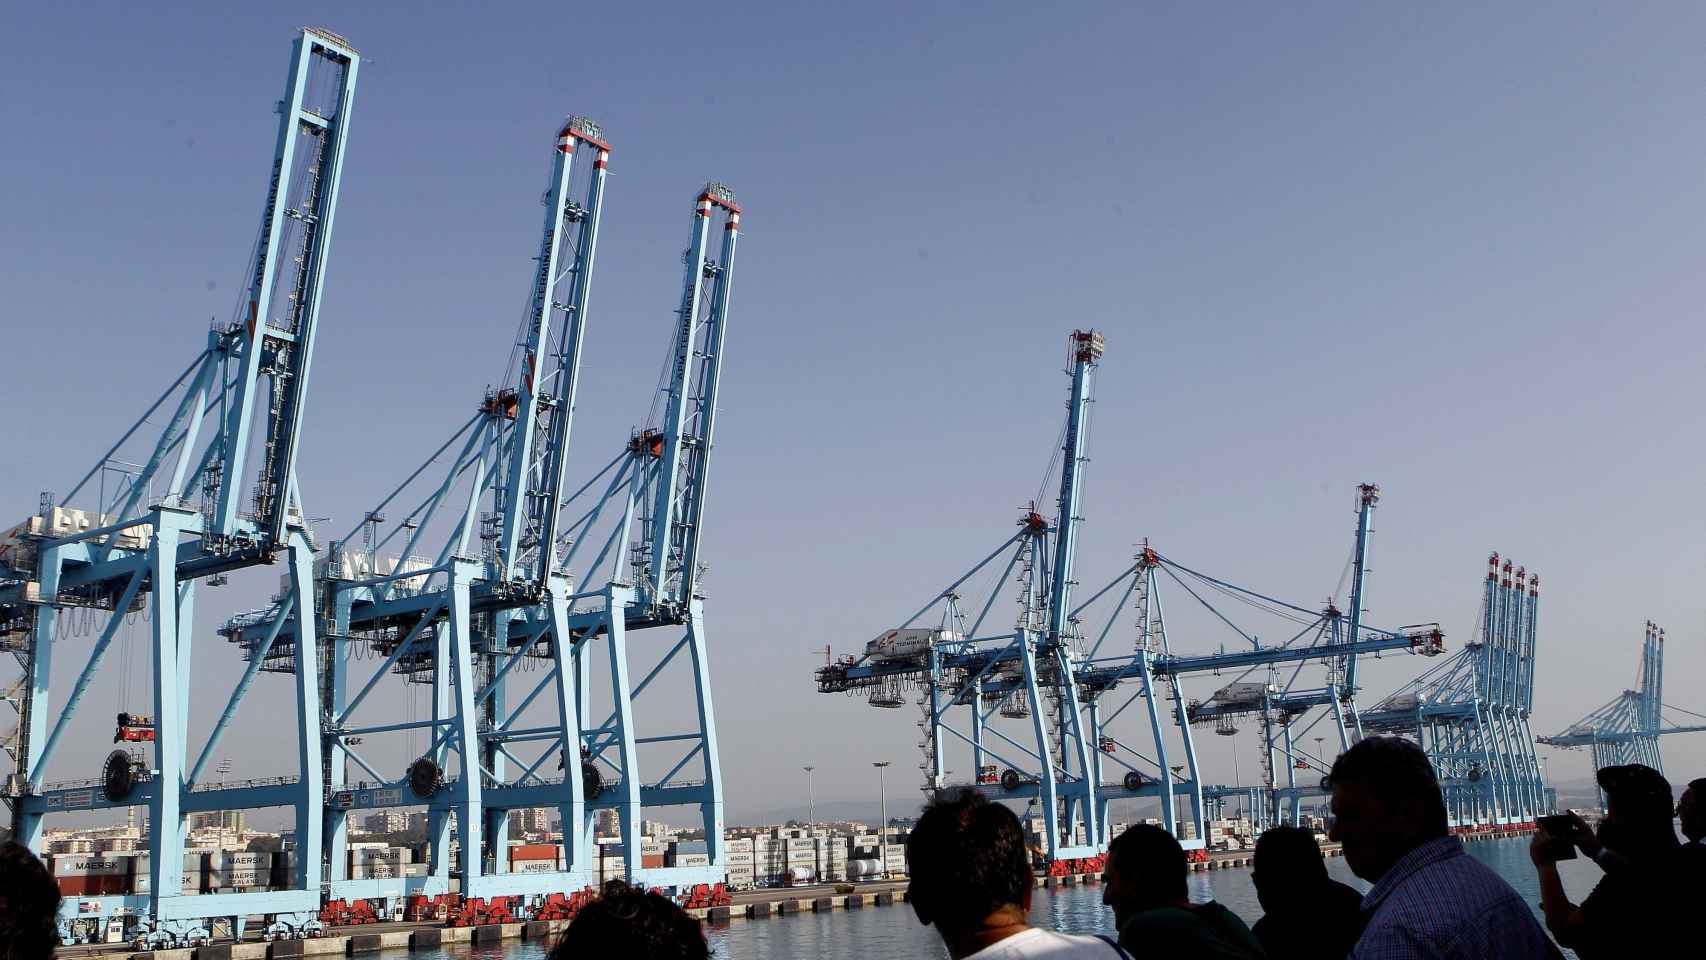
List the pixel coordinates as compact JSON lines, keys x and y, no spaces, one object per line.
{"x":491,"y":592}
{"x":1052,"y":672}
{"x":1471,"y":713}
{"x":215,"y":492}
{"x":1627,"y":729}
{"x":499,"y":598}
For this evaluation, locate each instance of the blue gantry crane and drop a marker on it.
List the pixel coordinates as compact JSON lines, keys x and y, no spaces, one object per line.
{"x":1326,"y":639}
{"x":1627,"y":729}
{"x":471,"y":593}
{"x":501,"y":595}
{"x":956,"y":662}
{"x":1053,"y":670}
{"x":214,"y":492}
{"x":1471,"y":712}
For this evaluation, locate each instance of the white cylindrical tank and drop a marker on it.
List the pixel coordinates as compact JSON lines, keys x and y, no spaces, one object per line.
{"x":864,"y":869}
{"x":799,"y":875}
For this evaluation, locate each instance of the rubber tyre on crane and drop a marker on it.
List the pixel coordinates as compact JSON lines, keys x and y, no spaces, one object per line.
{"x":118,"y":775}
{"x":1011,"y":780}
{"x":1133,"y":781}
{"x":592,"y":782}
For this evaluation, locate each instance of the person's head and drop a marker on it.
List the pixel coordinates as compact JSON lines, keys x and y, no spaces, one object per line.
{"x":970,"y":869}
{"x":29,"y":905}
{"x":632,"y":924}
{"x":1386,"y":802}
{"x":1288,"y":865}
{"x":1692,"y":810}
{"x":1638,"y":809}
{"x":1146,"y":869}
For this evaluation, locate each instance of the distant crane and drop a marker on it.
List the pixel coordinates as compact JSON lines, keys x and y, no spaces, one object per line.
{"x":1627,"y":729}
{"x":1052,"y":672}
{"x":953,"y":661}
{"x":1471,"y":712}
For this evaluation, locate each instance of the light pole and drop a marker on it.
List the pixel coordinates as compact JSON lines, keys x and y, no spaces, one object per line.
{"x":883,"y":824}
{"x":811,"y":797}
{"x":224,"y":767}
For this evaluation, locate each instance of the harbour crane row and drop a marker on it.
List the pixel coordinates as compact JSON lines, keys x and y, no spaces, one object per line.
{"x":508,"y":593}
{"x":1032,"y":706}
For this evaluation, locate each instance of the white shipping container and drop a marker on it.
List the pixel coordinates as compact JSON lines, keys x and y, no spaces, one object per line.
{"x":375,"y":871}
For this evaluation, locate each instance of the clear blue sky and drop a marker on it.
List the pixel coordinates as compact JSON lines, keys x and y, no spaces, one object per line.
{"x":1452,"y":251}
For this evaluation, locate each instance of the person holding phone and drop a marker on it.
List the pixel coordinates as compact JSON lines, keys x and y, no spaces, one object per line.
{"x":1635,"y":903}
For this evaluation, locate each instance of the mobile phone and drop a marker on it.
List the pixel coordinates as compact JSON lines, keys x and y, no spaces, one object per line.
{"x":1559,"y":828}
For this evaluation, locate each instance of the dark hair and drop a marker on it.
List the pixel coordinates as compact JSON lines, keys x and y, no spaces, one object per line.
{"x":1640,"y":801}
{"x":1399,"y":774}
{"x":1289,"y":855}
{"x":632,"y":924}
{"x":29,"y":905}
{"x":1698,"y":785}
{"x":1150,"y":864}
{"x":967,"y":858}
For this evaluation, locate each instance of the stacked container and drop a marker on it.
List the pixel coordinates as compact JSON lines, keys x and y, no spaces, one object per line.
{"x":739,"y":852}
{"x":611,"y":864}
{"x":687,"y":853}
{"x":377,"y":862}
{"x":535,"y":857}
{"x":92,"y":874}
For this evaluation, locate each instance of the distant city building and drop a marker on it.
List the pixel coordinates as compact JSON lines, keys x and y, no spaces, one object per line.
{"x":607,"y":823}
{"x":530,"y":820}
{"x":228,"y":820}
{"x":386,"y":821}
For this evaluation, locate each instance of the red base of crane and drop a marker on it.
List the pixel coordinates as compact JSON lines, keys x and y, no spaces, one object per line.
{"x":1078,"y":866}
{"x":345,"y":913}
{"x":706,"y":895}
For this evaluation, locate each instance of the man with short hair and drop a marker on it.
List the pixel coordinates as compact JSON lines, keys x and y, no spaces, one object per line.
{"x":29,"y":905}
{"x":1145,"y":884}
{"x":632,"y":924}
{"x":1430,"y":898}
{"x":1691,"y":810}
{"x":971,"y":879}
{"x":1306,"y":914}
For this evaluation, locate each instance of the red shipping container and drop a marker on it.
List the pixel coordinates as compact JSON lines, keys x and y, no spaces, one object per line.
{"x":533,"y":851}
{"x":651,"y":859}
{"x":93,"y":885}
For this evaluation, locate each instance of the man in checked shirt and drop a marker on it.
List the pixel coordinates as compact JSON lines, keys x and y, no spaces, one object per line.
{"x":1430,"y":898}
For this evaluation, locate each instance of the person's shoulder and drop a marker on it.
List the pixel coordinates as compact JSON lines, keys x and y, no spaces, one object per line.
{"x":1342,"y":896}
{"x":1216,"y":912}
{"x":1163,"y":918}
{"x":1047,"y":944}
